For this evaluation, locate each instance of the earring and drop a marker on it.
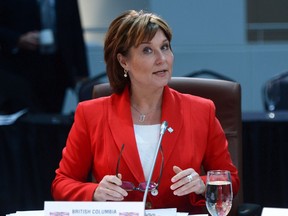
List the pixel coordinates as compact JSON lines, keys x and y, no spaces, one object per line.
{"x":125,"y":73}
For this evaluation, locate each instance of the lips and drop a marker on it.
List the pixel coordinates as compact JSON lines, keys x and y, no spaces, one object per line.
{"x":162,"y":71}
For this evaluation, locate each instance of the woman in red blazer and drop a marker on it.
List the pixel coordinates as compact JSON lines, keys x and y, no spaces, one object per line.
{"x":114,"y":138}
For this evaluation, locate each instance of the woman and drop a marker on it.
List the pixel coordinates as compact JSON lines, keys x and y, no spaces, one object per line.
{"x":115,"y":137}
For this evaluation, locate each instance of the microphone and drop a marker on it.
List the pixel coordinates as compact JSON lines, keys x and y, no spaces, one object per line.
{"x":163,"y":128}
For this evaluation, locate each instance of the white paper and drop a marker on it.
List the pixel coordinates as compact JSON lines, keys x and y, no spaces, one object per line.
{"x":274,"y":211}
{"x":27,"y":213}
{"x":168,"y":212}
{"x":161,"y":212}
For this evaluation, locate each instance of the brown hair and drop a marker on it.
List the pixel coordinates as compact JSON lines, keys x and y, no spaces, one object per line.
{"x":127,"y":30}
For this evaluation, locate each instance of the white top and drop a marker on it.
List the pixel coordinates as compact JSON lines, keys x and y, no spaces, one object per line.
{"x":147,"y":137}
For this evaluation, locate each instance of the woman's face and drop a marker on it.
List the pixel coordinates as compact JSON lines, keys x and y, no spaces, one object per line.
{"x":150,"y":64}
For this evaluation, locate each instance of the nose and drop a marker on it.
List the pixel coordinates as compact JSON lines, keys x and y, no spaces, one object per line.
{"x":160,"y":57}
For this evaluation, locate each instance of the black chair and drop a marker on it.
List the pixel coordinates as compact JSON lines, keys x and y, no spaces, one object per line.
{"x":86,"y":87}
{"x":279,"y":87}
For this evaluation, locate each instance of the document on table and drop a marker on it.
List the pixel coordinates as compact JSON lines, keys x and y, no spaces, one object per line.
{"x":153,"y":212}
{"x":164,"y":212}
{"x":27,"y":213}
{"x":168,"y":212}
{"x":274,"y":211}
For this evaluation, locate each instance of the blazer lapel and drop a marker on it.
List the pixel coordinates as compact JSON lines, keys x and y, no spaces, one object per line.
{"x":171,"y":111}
{"x":121,"y":125}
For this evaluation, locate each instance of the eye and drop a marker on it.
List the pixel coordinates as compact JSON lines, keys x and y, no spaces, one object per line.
{"x":147,"y":50}
{"x":165,"y":47}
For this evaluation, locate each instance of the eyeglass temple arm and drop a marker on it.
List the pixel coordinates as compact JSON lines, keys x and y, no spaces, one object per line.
{"x":119,"y":158}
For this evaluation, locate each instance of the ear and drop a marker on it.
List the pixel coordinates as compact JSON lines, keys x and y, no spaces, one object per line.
{"x":122,"y":61}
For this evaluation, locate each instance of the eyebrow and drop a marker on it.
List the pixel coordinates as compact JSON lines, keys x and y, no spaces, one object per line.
{"x":148,"y":42}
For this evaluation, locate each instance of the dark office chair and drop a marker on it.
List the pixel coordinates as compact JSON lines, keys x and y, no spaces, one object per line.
{"x":86,"y":87}
{"x":278,"y":84}
{"x":209,"y":74}
{"x":227,"y":98}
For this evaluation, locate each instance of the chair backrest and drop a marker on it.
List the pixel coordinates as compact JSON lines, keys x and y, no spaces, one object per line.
{"x":227,"y":98}
{"x":277,"y":88}
{"x":208,"y":74}
{"x":86,"y":87}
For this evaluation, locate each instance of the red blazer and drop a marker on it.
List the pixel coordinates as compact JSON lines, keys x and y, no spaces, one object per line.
{"x":102,"y":125}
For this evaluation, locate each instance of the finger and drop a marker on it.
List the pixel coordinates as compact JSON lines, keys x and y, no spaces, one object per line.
{"x":179,"y":183}
{"x":181,"y":173}
{"x":177,"y":169}
{"x":113,"y":183}
{"x":119,"y":175}
{"x":104,"y":194}
{"x":184,"y":189}
{"x":113,"y":193}
{"x":178,"y":179}
{"x":114,"y":179}
{"x":182,"y":178}
{"x":196,"y":185}
{"x":121,"y":190}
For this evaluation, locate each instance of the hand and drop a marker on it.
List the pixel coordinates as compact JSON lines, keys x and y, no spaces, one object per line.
{"x":109,"y":189}
{"x":183,"y":186}
{"x":29,"y":41}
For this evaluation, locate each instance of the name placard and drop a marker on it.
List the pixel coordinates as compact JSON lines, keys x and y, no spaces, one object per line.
{"x":69,"y":208}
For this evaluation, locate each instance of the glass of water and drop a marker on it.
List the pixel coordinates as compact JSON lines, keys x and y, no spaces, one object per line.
{"x":219,"y":194}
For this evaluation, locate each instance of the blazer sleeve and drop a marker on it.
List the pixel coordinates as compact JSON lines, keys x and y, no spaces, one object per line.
{"x":70,"y":182}
{"x":217,"y":155}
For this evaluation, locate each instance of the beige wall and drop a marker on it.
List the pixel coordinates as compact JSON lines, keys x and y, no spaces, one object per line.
{"x":97,"y":15}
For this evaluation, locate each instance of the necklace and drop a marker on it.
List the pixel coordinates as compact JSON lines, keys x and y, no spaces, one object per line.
{"x":142,"y":116}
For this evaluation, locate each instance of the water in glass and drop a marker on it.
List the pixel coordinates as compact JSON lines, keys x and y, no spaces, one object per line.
{"x":219,"y":193}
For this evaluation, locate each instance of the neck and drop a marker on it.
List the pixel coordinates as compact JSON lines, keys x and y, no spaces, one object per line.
{"x":142,"y":116}
{"x":146,"y":113}
{"x":146,"y":108}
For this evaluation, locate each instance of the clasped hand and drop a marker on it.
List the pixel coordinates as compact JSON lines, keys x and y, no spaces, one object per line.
{"x":186,"y":182}
{"x":109,"y":187}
